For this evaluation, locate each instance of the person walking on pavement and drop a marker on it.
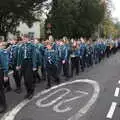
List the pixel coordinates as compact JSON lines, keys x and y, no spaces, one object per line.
{"x":75,"y":58}
{"x":82,"y":54}
{"x":39,"y":62}
{"x":3,"y":77}
{"x":13,"y":54}
{"x":65,"y":58}
{"x":27,"y":62}
{"x":7,"y":87}
{"x":59,"y":50}
{"x":41,"y":48}
{"x":51,"y":64}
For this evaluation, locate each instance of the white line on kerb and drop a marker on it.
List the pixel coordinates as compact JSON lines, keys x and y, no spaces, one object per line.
{"x":117,"y":92}
{"x":112,"y":110}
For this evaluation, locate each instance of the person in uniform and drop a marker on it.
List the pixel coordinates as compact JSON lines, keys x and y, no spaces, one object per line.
{"x":13,"y":54}
{"x":88,"y":54}
{"x":96,"y":52}
{"x":65,"y":58}
{"x":75,"y":58}
{"x":91,"y":53}
{"x":7,"y":87}
{"x":41,"y":47}
{"x":108,"y":48}
{"x":39,"y":62}
{"x":60,"y":46}
{"x":51,"y":64}
{"x":82,"y":54}
{"x":3,"y":77}
{"x":27,"y":62}
{"x":102,"y":49}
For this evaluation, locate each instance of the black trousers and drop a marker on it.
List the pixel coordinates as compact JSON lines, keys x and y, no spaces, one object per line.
{"x":66,"y":69}
{"x":75,"y":65}
{"x":27,"y":72}
{"x":43,"y":72}
{"x":82,"y":64}
{"x":36,"y":76}
{"x":88,"y":60}
{"x":2,"y":94}
{"x":60,"y":66}
{"x":7,"y":85}
{"x":52,"y":72}
{"x":108,"y":51}
{"x":17,"y":77}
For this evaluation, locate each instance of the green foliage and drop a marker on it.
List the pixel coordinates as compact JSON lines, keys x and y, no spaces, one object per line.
{"x":110,"y":28}
{"x":14,"y":11}
{"x":117,"y":26}
{"x":75,"y":18}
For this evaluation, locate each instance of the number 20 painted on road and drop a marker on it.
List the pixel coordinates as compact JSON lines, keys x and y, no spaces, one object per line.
{"x":56,"y":107}
{"x":13,"y":113}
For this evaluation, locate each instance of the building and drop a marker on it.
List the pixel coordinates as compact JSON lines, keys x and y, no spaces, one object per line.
{"x":34,"y":32}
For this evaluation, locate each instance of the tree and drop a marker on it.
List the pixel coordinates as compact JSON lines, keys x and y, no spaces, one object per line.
{"x":75,"y":18}
{"x":12,"y":12}
{"x":117,"y":26}
{"x":109,"y":29}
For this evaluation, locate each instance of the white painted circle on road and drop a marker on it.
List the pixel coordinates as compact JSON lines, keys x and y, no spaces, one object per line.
{"x":12,"y":114}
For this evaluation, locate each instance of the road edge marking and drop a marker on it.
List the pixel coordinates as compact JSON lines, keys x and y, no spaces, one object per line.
{"x":117,"y":90}
{"x":111,"y":110}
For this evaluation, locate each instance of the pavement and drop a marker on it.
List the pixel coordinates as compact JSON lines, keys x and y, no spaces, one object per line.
{"x":93,"y":95}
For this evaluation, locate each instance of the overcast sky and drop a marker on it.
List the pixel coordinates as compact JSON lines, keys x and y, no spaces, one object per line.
{"x":116,"y":11}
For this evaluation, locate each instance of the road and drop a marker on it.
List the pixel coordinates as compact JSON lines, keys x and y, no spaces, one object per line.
{"x":93,"y":95}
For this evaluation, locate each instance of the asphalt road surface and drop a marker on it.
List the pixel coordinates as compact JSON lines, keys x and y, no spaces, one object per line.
{"x":93,"y":95}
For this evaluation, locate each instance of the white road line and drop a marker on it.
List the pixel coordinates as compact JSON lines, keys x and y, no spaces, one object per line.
{"x":119,"y":82}
{"x":112,"y":110}
{"x":117,"y":92}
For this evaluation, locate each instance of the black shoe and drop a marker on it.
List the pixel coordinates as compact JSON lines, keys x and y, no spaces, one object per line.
{"x":82,"y":70}
{"x":38,"y":82}
{"x":18,"y":90}
{"x":71,"y":76}
{"x":30,"y":96}
{"x":3,"y":109}
{"x":43,"y":78}
{"x":58,"y":82}
{"x":77,"y":74}
{"x":67,"y":78}
{"x":48,"y":87}
{"x":8,"y":89}
{"x":26,"y":96}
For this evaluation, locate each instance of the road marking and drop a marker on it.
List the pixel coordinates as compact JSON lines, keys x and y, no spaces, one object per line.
{"x":12,"y":114}
{"x":112,"y":110}
{"x":119,"y":82}
{"x":55,"y":100}
{"x":56,"y":107}
{"x":117,"y":92}
{"x":40,"y":104}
